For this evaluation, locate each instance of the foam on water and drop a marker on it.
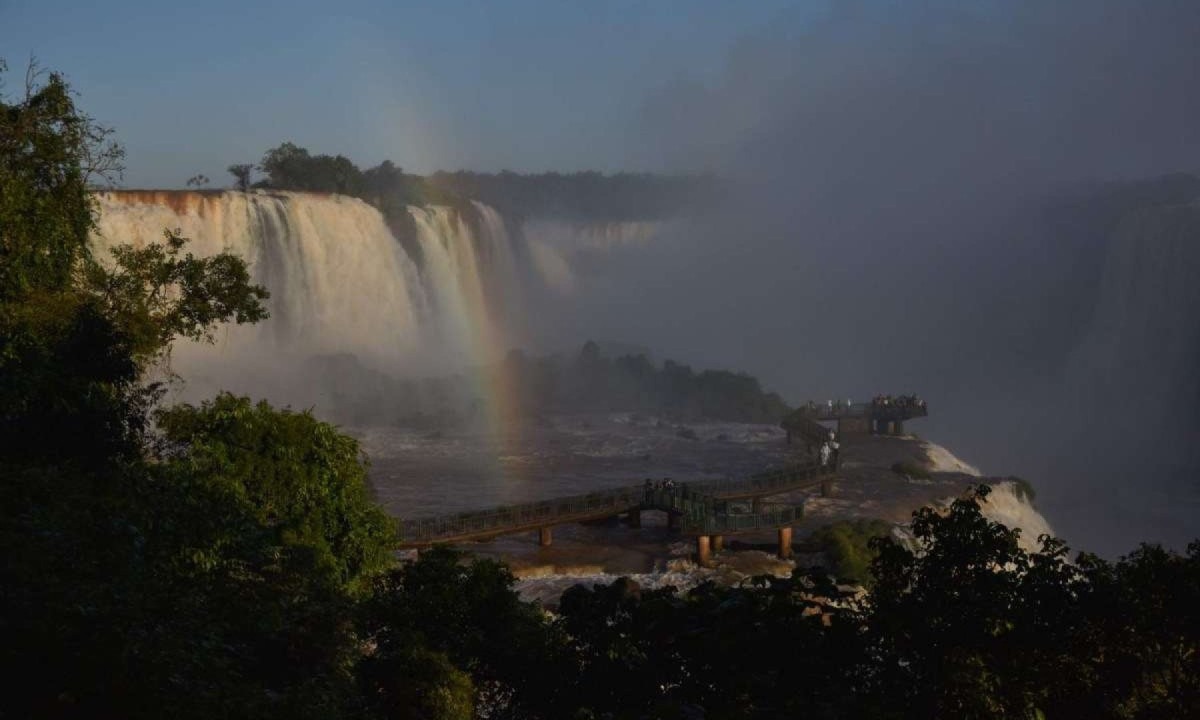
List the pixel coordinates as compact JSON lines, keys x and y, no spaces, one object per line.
{"x":1009,"y":506}
{"x":547,"y":584}
{"x":942,"y":460}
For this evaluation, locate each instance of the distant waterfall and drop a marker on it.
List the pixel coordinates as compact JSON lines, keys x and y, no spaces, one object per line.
{"x":560,"y":248}
{"x":1143,"y":345}
{"x":342,"y":286}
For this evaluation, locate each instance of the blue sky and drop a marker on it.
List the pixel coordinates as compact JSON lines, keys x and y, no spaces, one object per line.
{"x":525,"y":85}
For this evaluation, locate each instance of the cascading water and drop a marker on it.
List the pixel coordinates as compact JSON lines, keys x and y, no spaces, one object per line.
{"x":1145,"y":321}
{"x":346,"y":298}
{"x":339,"y":282}
{"x":559,"y":249}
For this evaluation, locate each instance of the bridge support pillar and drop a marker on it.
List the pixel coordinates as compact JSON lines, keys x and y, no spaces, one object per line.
{"x":635,"y":518}
{"x":703,"y":551}
{"x":674,"y":521}
{"x":718,"y":543}
{"x":545,"y":536}
{"x":785,"y":542}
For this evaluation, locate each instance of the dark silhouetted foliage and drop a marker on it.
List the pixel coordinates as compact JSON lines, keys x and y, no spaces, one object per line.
{"x":576,"y":196}
{"x":241,"y":175}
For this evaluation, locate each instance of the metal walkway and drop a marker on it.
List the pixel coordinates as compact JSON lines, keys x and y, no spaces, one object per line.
{"x":702,"y":508}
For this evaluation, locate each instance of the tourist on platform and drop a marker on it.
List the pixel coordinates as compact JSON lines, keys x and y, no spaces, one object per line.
{"x":826,"y":452}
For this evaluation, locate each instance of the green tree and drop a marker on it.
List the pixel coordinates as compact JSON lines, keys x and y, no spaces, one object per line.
{"x":1141,"y":619}
{"x":158,"y":293}
{"x":290,"y":167}
{"x":948,"y":618}
{"x":241,"y":175}
{"x":50,"y":152}
{"x":300,"y":479}
{"x":846,"y":546}
{"x":134,"y":578}
{"x":467,"y":612}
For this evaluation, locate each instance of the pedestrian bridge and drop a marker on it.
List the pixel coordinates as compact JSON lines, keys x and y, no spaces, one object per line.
{"x":707,"y":510}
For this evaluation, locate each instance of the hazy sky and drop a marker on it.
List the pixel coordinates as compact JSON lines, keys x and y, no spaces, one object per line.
{"x":524,"y":85}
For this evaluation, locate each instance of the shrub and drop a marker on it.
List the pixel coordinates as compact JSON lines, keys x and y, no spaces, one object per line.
{"x":846,"y":546}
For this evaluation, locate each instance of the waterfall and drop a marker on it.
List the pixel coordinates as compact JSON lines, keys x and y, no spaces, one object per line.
{"x":339,"y":282}
{"x":1142,"y":349}
{"x":560,"y":249}
{"x":347,"y":299}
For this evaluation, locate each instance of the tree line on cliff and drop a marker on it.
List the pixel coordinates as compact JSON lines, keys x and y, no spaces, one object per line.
{"x":226,"y":560}
{"x":582,"y":196}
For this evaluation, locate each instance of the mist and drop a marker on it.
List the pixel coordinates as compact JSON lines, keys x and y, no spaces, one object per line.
{"x":897,"y":173}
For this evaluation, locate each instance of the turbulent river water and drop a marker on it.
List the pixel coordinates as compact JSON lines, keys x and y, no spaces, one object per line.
{"x":416,"y":474}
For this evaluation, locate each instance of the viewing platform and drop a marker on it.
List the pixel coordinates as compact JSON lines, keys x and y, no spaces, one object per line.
{"x":885,"y":415}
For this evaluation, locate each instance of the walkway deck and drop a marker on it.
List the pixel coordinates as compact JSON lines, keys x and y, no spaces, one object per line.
{"x":702,"y":507}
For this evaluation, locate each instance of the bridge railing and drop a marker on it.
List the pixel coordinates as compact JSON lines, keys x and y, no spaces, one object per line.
{"x":892,"y":411}
{"x":838,"y":410}
{"x":705,"y":514}
{"x":765,"y":518}
{"x":692,"y":500}
{"x":514,"y":516}
{"x":763,"y":483}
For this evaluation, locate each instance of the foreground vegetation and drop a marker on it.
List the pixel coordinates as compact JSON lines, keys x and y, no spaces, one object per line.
{"x":225,"y":560}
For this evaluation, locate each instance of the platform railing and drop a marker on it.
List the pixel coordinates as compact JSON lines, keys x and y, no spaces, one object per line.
{"x":892,"y":411}
{"x":516,"y":516}
{"x":764,"y":518}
